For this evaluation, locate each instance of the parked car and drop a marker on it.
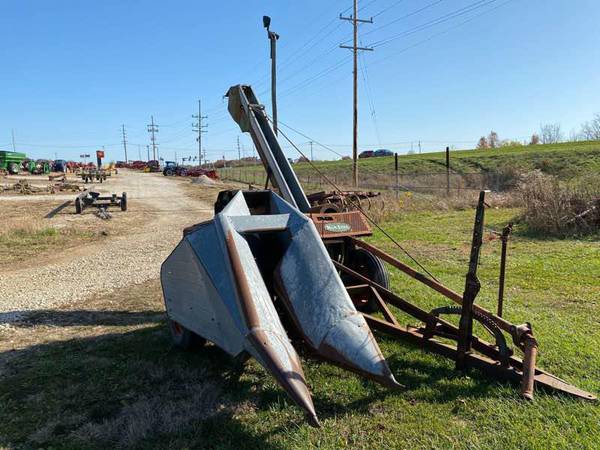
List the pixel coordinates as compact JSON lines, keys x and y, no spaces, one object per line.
{"x":383,"y":152}
{"x":60,"y":165}
{"x":366,"y":154}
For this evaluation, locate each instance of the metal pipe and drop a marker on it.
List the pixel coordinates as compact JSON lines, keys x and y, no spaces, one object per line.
{"x":529,"y":361}
{"x":504,"y":238}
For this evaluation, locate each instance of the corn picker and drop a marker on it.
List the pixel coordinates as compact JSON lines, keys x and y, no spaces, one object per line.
{"x":272,"y":272}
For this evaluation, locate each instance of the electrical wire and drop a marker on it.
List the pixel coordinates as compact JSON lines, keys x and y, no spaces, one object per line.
{"x":445,"y":18}
{"x":363,"y":70}
{"x":358,"y":207}
{"x":458,"y":25}
{"x":401,"y":18}
{"x":388,"y":8}
{"x":279,"y":122}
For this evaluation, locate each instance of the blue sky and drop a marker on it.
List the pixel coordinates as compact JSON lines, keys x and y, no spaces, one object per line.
{"x":74,"y":71}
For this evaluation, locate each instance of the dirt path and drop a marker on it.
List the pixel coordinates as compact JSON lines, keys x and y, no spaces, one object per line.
{"x":161,"y":209}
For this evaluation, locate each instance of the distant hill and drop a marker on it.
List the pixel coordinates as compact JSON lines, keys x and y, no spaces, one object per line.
{"x":565,"y":160}
{"x":496,"y":169}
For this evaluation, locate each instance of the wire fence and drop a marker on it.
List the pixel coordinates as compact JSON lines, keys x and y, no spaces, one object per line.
{"x":434,"y":183}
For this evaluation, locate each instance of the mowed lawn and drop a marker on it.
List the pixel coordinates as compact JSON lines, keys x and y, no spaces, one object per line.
{"x":103,"y":374}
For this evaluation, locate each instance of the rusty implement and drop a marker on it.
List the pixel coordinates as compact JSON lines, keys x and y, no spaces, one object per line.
{"x":271,"y":272}
{"x":217,"y":282}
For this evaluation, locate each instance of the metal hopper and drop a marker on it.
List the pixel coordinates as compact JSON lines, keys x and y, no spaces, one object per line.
{"x":214,"y":287}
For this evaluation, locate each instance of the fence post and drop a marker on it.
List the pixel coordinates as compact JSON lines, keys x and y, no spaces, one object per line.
{"x":396,"y":171}
{"x":448,"y":171}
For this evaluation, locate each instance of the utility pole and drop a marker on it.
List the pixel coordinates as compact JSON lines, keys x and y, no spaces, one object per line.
{"x":147,"y":153}
{"x":199,"y":128}
{"x":153,"y":128}
{"x":311,"y":150}
{"x":13,"y":140}
{"x":124,"y":142}
{"x":238,"y":148}
{"x":355,"y":49}
{"x":273,"y":40}
{"x":139,"y":152}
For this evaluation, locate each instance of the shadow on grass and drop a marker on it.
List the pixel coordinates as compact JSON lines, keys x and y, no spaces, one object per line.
{"x":77,"y":392}
{"x":66,"y":318}
{"x":113,"y":390}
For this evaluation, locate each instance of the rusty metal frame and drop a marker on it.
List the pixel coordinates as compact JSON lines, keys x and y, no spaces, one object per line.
{"x":485,"y":356}
{"x":470,"y":351}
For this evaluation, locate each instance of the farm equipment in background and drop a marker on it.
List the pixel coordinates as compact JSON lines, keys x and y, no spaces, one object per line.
{"x":172,"y":168}
{"x":60,"y":165}
{"x":152,"y":166}
{"x":90,"y":175}
{"x":88,"y":198}
{"x":10,"y":162}
{"x":271,"y":272}
{"x":339,"y":201}
{"x":199,"y":171}
{"x":39,"y":167}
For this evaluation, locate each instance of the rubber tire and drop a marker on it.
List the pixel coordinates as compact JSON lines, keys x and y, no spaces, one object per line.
{"x":13,"y":168}
{"x":184,"y":338}
{"x":124,"y":201}
{"x":370,"y":266}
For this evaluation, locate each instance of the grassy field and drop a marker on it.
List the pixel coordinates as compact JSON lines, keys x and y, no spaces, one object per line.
{"x":103,"y":373}
{"x":566,"y":160}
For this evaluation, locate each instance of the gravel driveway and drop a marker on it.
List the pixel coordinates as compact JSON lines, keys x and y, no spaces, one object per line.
{"x":117,"y":262}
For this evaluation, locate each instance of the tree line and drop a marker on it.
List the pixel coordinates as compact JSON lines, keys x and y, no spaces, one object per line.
{"x":550,"y":133}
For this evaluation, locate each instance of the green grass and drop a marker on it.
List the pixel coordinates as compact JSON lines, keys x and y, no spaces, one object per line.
{"x":114,"y":379}
{"x":566,"y":160}
{"x":24,"y":242}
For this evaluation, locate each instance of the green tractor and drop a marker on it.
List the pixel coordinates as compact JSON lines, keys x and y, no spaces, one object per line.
{"x":39,"y":167}
{"x":11,"y":161}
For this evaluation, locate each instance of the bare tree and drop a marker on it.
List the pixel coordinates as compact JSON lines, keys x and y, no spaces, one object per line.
{"x":482,"y":143}
{"x":550,"y":133}
{"x":510,"y":143}
{"x":575,"y":136}
{"x":591,"y":130}
{"x":493,"y":139}
{"x":535,"y":139}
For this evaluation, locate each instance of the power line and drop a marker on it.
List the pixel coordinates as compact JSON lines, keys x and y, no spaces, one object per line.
{"x":364,"y":213}
{"x":311,"y":139}
{"x":452,"y":15}
{"x":199,"y":128}
{"x":388,"y":8}
{"x":124,"y":141}
{"x":363,"y":69}
{"x":152,"y":129}
{"x":355,"y":49}
{"x":402,"y":17}
{"x":433,"y":36}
